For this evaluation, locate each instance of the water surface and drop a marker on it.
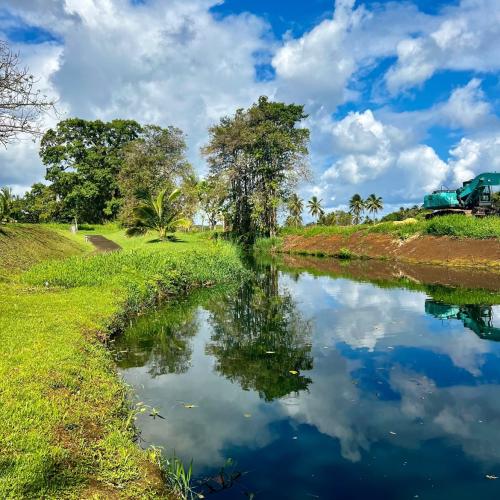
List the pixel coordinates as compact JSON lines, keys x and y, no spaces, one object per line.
{"x":320,"y":386}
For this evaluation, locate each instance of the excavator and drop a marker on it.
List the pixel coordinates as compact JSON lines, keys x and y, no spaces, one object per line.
{"x":473,"y":198}
{"x":478,"y":318}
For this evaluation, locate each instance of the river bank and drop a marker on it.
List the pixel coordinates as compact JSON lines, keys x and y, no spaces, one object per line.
{"x":452,"y":240}
{"x":67,"y":425}
{"x":417,"y":249}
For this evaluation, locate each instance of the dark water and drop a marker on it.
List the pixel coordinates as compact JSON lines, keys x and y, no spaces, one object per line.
{"x":325,"y":387}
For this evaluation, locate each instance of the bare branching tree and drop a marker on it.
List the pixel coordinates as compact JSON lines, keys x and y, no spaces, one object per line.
{"x":21,"y":104}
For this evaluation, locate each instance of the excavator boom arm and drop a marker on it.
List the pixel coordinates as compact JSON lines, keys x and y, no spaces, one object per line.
{"x":476,"y":185}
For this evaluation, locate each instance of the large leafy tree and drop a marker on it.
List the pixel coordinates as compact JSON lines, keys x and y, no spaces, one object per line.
{"x":374,"y":204}
{"x":212,"y":193}
{"x":83,"y":160}
{"x":39,"y":204}
{"x":356,"y":207}
{"x":155,"y":160}
{"x":261,"y":153}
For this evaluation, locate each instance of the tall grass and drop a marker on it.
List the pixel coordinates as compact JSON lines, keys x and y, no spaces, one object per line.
{"x":450,"y":225}
{"x":146,"y":274}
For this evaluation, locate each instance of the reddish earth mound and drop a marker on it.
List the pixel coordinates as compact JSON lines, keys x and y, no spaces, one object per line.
{"x":440,"y":250}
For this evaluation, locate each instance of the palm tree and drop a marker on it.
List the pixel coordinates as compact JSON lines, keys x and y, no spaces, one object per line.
{"x":5,"y":204}
{"x":374,"y":203}
{"x":315,"y":208}
{"x":356,"y":207}
{"x":295,"y":207}
{"x":159,"y":214}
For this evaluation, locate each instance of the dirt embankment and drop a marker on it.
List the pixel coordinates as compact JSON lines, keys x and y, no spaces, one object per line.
{"x":434,"y":250}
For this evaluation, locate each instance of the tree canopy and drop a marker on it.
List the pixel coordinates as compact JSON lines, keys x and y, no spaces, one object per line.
{"x":261,"y":152}
{"x":155,"y":160}
{"x":83,"y":160}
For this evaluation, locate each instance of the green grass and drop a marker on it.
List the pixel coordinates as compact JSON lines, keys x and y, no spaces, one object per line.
{"x":450,"y":225}
{"x":66,"y":425}
{"x":23,"y":245}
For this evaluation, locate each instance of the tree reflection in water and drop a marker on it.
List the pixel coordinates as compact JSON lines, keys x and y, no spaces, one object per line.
{"x":259,"y":338}
{"x":161,"y":340}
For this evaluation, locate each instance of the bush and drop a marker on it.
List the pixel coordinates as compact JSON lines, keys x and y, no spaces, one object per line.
{"x":464,"y":227}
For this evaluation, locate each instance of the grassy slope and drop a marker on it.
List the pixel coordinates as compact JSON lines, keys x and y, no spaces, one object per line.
{"x":451,"y":225}
{"x":22,"y":246}
{"x":64,"y":415}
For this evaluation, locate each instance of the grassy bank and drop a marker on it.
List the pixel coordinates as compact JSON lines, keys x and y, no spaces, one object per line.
{"x":450,"y":225}
{"x":22,"y":246}
{"x":66,"y":424}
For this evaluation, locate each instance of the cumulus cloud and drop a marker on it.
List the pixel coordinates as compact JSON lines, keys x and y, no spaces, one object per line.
{"x":467,"y":38}
{"x":474,"y":156}
{"x":375,"y":156}
{"x":162,"y":62}
{"x":175,"y":63}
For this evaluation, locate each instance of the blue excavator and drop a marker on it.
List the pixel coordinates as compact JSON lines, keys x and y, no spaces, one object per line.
{"x":473,"y":198}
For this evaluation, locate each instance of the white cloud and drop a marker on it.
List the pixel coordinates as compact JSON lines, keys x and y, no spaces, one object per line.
{"x":466,"y":106}
{"x":381,"y":158}
{"x":474,"y":156}
{"x":467,"y":38}
{"x":163,"y":62}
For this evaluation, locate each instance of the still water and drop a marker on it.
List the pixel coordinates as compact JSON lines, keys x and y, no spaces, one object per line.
{"x":315,"y":385}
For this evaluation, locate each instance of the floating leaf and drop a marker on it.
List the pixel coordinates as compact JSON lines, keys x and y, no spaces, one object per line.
{"x":294,"y":372}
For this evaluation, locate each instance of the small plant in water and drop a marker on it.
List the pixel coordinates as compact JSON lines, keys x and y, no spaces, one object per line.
{"x":344,"y":253}
{"x":179,"y":478}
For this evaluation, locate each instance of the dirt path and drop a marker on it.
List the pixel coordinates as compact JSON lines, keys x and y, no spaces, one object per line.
{"x":102,"y":244}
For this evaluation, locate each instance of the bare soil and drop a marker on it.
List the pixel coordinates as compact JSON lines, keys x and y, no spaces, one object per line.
{"x":436,"y":250}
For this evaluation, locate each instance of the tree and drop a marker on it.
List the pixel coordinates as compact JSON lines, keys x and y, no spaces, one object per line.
{"x":39,"y":204}
{"x":83,"y":160}
{"x":295,"y":207}
{"x":6,"y":200}
{"x":261,"y":152}
{"x":356,"y":207}
{"x":336,"y":218}
{"x":212,"y":194}
{"x":315,"y":208}
{"x":160,"y":214}
{"x":374,"y":203}
{"x":21,"y":105}
{"x":155,"y":160}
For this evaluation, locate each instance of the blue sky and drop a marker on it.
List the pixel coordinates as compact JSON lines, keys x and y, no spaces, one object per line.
{"x":402,"y":97}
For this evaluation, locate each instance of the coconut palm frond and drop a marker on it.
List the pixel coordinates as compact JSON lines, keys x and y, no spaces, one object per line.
{"x":160,"y":214}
